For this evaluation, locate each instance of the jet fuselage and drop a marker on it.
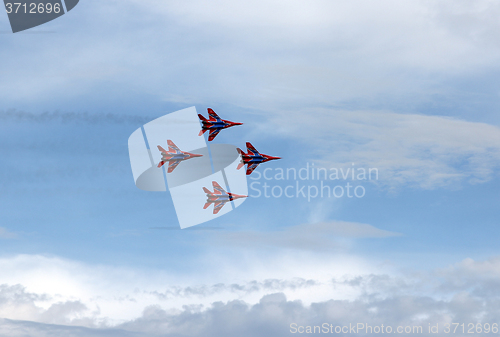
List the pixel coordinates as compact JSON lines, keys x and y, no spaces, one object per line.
{"x":175,"y":156}
{"x":211,"y":125}
{"x":218,"y":198}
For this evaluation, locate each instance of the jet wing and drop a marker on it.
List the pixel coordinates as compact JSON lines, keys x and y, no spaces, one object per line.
{"x":252,"y":149}
{"x":251,"y":167}
{"x":213,"y":133}
{"x":217,"y":188}
{"x":172,"y":165}
{"x":172,"y":146}
{"x":218,"y":206}
{"x":213,"y":115}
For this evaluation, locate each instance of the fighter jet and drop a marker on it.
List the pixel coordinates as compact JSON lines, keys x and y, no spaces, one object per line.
{"x":219,"y":197}
{"x":253,"y":158}
{"x":214,"y":124}
{"x":174,"y":156}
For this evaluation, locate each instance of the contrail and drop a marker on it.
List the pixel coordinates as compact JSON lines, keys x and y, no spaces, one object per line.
{"x":190,"y":228}
{"x":69,"y":117}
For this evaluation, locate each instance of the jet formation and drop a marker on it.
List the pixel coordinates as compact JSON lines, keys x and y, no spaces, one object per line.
{"x":174,"y":156}
{"x":253,"y":158}
{"x":214,"y":124}
{"x":219,"y":197}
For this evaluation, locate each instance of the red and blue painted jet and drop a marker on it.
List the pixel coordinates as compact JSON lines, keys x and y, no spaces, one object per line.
{"x":219,"y":197}
{"x":214,"y":124}
{"x":253,"y":158}
{"x":174,"y":156}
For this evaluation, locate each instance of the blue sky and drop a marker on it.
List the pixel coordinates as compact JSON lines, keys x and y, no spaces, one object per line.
{"x":408,"y":88}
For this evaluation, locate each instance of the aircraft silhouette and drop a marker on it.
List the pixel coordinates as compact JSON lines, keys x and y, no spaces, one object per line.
{"x":214,"y":124}
{"x":253,"y":158}
{"x":174,"y":156}
{"x":219,"y":197}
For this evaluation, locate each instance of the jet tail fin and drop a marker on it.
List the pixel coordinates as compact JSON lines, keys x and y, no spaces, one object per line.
{"x":202,"y":131}
{"x":200,"y":116}
{"x":206,"y":205}
{"x":240,"y":165}
{"x":206,"y":190}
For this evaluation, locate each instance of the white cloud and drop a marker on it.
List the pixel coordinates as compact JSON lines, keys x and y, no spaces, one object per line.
{"x":423,"y":34}
{"x":392,"y":299}
{"x":256,"y":53}
{"x":404,"y":300}
{"x":60,"y":291}
{"x":419,"y":150}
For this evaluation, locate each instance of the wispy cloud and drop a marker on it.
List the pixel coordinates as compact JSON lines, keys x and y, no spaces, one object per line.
{"x":407,"y":149}
{"x":316,"y":236}
{"x":6,"y":234}
{"x":270,"y":285}
{"x":312,"y":53}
